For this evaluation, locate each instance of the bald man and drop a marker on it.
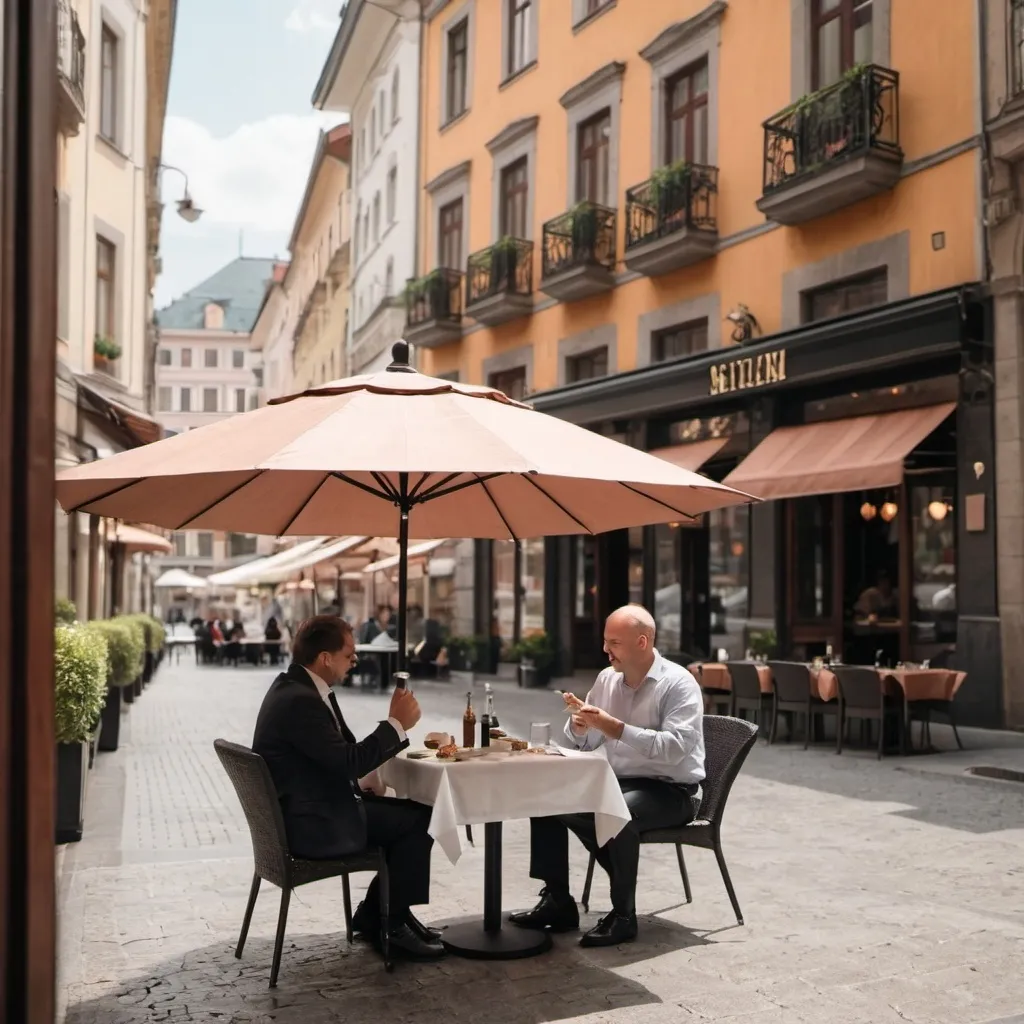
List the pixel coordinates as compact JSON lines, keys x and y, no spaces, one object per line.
{"x":647,"y":714}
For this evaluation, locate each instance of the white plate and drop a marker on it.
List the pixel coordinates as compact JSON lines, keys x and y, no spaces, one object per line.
{"x":469,"y":753}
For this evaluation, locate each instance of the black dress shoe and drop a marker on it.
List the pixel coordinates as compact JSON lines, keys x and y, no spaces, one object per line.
{"x":558,"y":914}
{"x":424,"y":931}
{"x":611,"y":930}
{"x":407,"y":944}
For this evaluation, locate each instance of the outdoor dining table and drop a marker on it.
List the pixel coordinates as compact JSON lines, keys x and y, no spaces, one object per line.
{"x":914,"y":683}
{"x":714,"y":675}
{"x":495,"y":788}
{"x":386,"y":655}
{"x":176,"y":644}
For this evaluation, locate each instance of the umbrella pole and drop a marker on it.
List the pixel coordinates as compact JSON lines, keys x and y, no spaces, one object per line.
{"x":403,"y":566}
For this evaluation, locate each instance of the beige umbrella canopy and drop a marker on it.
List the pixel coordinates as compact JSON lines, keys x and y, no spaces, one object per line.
{"x":398,"y":453}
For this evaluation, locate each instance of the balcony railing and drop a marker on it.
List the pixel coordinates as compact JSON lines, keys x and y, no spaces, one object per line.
{"x":434,"y":299}
{"x":679,"y":197}
{"x":71,"y":64}
{"x":505,"y":268}
{"x":856,"y":116}
{"x":582,"y":237}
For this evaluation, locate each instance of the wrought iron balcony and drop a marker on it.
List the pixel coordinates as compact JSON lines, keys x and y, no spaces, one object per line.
{"x":578,"y":253}
{"x":499,"y":281}
{"x":672,"y":219}
{"x":70,"y":69}
{"x":433,"y":308}
{"x":833,"y":148}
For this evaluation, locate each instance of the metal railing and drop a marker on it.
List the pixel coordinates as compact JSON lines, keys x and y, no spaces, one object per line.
{"x":584,"y":236}
{"x":436,"y":298}
{"x":505,"y":268}
{"x":677,"y":197}
{"x":71,"y":50}
{"x":858,"y":114}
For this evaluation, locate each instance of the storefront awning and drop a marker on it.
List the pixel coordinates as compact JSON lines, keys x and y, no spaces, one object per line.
{"x":133,"y":538}
{"x":252,"y":572}
{"x":836,"y":455}
{"x":692,"y":456}
{"x":415,"y":551}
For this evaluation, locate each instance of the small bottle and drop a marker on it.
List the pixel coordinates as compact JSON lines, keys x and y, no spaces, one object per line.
{"x":469,"y":723}
{"x":492,"y":715}
{"x":828,"y":654}
{"x":485,"y":727}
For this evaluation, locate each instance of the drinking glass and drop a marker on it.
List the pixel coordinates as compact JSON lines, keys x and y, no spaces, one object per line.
{"x":540,"y":734}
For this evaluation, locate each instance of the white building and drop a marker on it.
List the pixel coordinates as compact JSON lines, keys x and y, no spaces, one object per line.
{"x":372,"y":75}
{"x":271,"y":341}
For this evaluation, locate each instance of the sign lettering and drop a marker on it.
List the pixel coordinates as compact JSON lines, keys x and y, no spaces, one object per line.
{"x":748,"y":372}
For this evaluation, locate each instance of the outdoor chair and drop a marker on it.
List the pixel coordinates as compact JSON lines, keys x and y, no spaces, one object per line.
{"x":727,"y":741}
{"x":714,"y":696}
{"x":862,"y":696}
{"x":792,"y":685}
{"x":255,"y":788}
{"x":747,"y":694}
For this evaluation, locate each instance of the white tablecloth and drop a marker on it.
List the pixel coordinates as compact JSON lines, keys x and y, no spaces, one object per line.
{"x":508,"y":789}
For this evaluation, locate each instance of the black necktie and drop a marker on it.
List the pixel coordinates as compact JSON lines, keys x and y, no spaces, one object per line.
{"x":342,"y":728}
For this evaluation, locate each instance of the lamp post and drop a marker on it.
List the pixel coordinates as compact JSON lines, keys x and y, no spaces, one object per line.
{"x":187,"y":208}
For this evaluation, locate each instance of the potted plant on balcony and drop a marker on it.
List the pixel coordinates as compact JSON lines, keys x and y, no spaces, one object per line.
{"x":105,"y":351}
{"x":434,"y":288}
{"x":80,"y":682}
{"x":124,"y":652}
{"x":583,"y":229}
{"x":504,"y":261}
{"x":536,"y":655}
{"x":668,"y":188}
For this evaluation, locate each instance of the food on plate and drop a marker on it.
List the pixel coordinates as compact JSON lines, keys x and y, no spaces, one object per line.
{"x":536,"y":750}
{"x":518,"y":744}
{"x":497,"y":734}
{"x":434,"y":740}
{"x":447,"y":752}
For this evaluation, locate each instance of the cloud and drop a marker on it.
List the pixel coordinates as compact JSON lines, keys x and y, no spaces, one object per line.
{"x":313,"y":16}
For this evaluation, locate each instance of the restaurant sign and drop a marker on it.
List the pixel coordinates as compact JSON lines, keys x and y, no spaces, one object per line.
{"x":748,"y":372}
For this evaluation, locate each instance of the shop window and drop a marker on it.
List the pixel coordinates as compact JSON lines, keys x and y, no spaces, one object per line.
{"x":587,"y":365}
{"x":686,"y":115}
{"x":636,"y":565}
{"x":204,"y":544}
{"x":933,"y":605}
{"x":504,"y":555}
{"x":593,"y":147}
{"x":729,"y":578}
{"x":841,"y":36}
{"x":811,"y":552}
{"x":668,"y":591}
{"x":210,"y":359}
{"x":585,"y":591}
{"x":457,"y":68}
{"x":512,"y":382}
{"x":532,"y":583}
{"x":681,"y":340}
{"x":240,"y":544}
{"x":847,"y":296}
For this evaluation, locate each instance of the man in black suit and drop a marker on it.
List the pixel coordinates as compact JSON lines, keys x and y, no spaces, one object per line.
{"x":331,"y":796}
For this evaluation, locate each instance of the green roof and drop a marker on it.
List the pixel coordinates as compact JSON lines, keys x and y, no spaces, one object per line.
{"x":238,"y":288}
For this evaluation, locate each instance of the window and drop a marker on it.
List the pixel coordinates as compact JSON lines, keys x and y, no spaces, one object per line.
{"x":394,"y":97}
{"x":240,"y":544}
{"x":376,"y":218}
{"x":520,"y":32}
{"x":109,"y":100}
{"x":373,"y":129}
{"x":592,"y":140}
{"x":163,"y":357}
{"x":163,"y":399}
{"x":458,"y":63}
{"x":363,"y":149}
{"x":686,"y":115}
{"x":239,"y":399}
{"x":1017,"y":48}
{"x":587,"y":365}
{"x":392,"y":194}
{"x":729,"y":578}
{"x":449,"y":235}
{"x":840,"y":38}
{"x":682,"y":340}
{"x":210,"y":359}
{"x":238,"y":358}
{"x":181,"y":544}
{"x":846,"y":296}
{"x":204,"y":545}
{"x":209,"y":399}
{"x":185,"y":400}
{"x":186,"y":357}
{"x":593,"y":6}
{"x":512,"y":382}
{"x":382,"y":113}
{"x":515,"y":190}
{"x":213,"y":316}
{"x":106,"y":269}
{"x":253,"y":400}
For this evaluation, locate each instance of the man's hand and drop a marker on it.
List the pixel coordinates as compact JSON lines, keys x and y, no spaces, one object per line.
{"x":405,"y":708}
{"x":599,"y":719}
{"x":374,"y":784}
{"x":578,"y":724}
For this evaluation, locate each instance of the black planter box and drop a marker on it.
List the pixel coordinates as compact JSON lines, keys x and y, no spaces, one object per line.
{"x":149,"y":666}
{"x":72,"y":768}
{"x":110,"y":731}
{"x":128,"y":693}
{"x":137,"y":686}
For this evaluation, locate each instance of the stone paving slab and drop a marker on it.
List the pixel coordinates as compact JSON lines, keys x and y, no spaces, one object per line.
{"x":872,"y":892}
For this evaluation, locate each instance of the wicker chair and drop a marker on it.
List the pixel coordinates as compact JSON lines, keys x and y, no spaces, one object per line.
{"x":862,"y":696}
{"x":255,"y":788}
{"x":747,"y":694}
{"x":792,"y":683}
{"x":727,"y":741}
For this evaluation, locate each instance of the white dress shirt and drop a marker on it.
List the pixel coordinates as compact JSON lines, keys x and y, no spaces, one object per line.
{"x":663,"y":730}
{"x":373,"y":781}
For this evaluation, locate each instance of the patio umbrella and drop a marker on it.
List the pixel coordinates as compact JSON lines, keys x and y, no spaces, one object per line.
{"x":392,"y":453}
{"x":179,"y":579}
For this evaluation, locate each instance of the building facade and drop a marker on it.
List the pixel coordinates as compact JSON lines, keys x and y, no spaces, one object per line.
{"x":772,"y":272}
{"x":371,"y":75}
{"x":272,"y":340}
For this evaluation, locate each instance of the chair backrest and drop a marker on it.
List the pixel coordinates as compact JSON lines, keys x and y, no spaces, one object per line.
{"x":727,"y":741}
{"x":859,"y":687}
{"x":792,"y":679}
{"x":746,"y":682}
{"x":254,"y":786}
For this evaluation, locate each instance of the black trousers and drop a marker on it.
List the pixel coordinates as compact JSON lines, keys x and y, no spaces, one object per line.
{"x":400,"y":828}
{"x":652,"y":803}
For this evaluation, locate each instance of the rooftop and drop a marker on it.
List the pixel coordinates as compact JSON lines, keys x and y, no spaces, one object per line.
{"x":238,"y":288}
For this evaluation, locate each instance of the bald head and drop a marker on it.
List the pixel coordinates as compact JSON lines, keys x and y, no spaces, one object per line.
{"x":636,"y":617}
{"x":629,"y":641}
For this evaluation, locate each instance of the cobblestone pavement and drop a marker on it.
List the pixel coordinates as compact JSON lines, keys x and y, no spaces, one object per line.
{"x":871,"y":892}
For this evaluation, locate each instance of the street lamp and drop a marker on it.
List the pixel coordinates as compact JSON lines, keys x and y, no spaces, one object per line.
{"x":187,"y":209}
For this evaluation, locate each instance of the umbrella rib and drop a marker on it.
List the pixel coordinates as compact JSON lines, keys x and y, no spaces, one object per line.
{"x":302,"y":508}
{"x":487,"y":491}
{"x":385,"y":485}
{"x":217,"y":501}
{"x":419,"y":483}
{"x":345,"y":478}
{"x":106,"y":494}
{"x":658,"y":501}
{"x":555,"y":501}
{"x":431,"y":493}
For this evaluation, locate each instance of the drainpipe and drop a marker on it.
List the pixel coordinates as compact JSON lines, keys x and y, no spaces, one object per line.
{"x":985,"y":158}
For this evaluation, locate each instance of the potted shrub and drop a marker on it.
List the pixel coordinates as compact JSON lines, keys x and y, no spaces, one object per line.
{"x":64,"y":612}
{"x":763,"y":643}
{"x":131,"y":622}
{"x":669,"y":187}
{"x":504,"y":260}
{"x":80,"y":684}
{"x":583,"y":228}
{"x":536,"y":654}
{"x":158,"y":638}
{"x":461,"y":653}
{"x":105,"y":351}
{"x":124,"y":653}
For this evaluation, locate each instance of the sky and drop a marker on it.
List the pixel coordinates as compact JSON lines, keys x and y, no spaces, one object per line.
{"x":241,"y":125}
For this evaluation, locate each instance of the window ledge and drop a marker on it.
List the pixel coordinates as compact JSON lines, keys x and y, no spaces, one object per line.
{"x":591,"y":18}
{"x":516,"y":75}
{"x":452,"y":121}
{"x":112,"y":146}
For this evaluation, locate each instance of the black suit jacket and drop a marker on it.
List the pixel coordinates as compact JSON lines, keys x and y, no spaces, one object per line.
{"x":316,"y":767}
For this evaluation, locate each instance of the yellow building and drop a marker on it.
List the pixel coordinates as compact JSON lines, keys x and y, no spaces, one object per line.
{"x":616,"y":194}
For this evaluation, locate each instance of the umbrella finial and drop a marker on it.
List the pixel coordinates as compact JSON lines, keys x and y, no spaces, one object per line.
{"x":400,"y":358}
